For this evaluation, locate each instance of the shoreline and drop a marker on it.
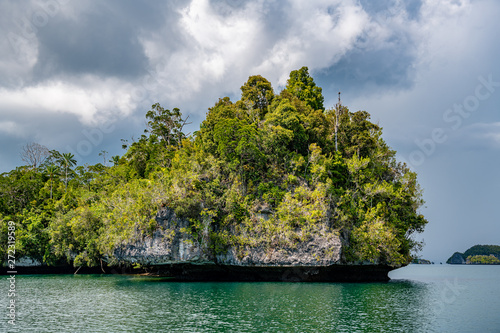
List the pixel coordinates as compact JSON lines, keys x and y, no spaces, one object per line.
{"x":213,"y":272}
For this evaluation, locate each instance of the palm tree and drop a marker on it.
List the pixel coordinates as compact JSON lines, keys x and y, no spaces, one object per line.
{"x":115,"y":159}
{"x":52,"y":171}
{"x":67,"y":161}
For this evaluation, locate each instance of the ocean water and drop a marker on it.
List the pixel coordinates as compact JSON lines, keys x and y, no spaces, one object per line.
{"x":419,"y":298}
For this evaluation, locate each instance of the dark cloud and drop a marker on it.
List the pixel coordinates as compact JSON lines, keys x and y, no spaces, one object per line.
{"x":370,"y":71}
{"x":101,"y":42}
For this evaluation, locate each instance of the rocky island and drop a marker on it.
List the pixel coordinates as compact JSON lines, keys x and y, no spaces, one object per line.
{"x":477,"y":255}
{"x":272,"y":187}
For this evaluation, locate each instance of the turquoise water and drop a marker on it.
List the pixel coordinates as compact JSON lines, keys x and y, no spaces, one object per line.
{"x":419,"y":298}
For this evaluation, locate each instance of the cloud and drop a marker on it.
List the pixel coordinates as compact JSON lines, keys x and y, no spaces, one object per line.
{"x":96,"y":60}
{"x":318,"y":37}
{"x":187,"y":53}
{"x":96,"y":41}
{"x":215,"y":46}
{"x":484,"y":136}
{"x":91,"y":99}
{"x":11,"y":128}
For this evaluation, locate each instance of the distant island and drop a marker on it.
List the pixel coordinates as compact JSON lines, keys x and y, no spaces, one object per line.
{"x":477,"y":255}
{"x":421,"y":261}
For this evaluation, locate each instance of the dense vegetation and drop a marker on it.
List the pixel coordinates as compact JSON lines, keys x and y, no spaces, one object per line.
{"x":479,"y":254}
{"x":483,"y":250}
{"x":483,"y":260}
{"x":267,"y":152}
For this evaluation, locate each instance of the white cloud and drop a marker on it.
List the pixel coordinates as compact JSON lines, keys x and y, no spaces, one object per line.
{"x":321,"y":33}
{"x":216,"y":51}
{"x":90,"y":99}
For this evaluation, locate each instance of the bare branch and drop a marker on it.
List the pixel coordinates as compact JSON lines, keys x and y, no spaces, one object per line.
{"x":34,"y":154}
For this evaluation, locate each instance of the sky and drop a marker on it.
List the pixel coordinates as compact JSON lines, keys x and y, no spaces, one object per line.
{"x":79,"y":76}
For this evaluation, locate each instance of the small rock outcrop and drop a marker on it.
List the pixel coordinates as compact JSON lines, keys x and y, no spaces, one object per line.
{"x":456,"y":259}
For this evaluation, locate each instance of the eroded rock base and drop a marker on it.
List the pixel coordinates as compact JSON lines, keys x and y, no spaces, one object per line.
{"x":214,"y":272}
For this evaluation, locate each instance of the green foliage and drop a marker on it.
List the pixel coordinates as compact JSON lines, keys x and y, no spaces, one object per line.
{"x":19,"y":190}
{"x":263,"y":172}
{"x":66,"y":161}
{"x":483,"y":259}
{"x":301,"y":85}
{"x":484,"y":250}
{"x":478,"y":251}
{"x":286,"y":124}
{"x":166,"y":125}
{"x":52,"y":172}
{"x":257,"y":94}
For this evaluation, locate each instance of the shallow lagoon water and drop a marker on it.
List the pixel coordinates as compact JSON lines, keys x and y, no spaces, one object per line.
{"x":419,"y":298}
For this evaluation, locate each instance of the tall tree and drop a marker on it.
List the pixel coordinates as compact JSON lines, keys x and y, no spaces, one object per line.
{"x":67,"y":161}
{"x":301,"y":85}
{"x":52,"y":171}
{"x":257,"y":93}
{"x":34,"y":154}
{"x":166,"y":125}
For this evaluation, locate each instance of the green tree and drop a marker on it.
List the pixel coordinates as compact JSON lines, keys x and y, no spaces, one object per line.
{"x":301,"y":85}
{"x":257,"y":94}
{"x":483,"y":259}
{"x":261,"y":173}
{"x":238,"y":145}
{"x":223,"y":109}
{"x":19,"y":190}
{"x":166,"y":125}
{"x":67,"y":161}
{"x":115,"y":160}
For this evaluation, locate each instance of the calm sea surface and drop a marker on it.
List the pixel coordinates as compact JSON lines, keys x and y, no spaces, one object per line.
{"x":419,"y":298}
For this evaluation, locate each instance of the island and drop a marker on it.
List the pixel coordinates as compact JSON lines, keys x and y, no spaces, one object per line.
{"x":272,"y":187}
{"x":418,"y":261}
{"x":477,"y":255}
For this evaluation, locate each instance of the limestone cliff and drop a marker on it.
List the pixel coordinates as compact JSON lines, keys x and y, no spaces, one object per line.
{"x":167,"y":245}
{"x":170,"y":244}
{"x":172,"y":251}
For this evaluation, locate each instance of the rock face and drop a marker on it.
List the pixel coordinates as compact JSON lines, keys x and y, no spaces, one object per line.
{"x":456,"y":259}
{"x":167,"y":245}
{"x":28,"y":262}
{"x":172,"y":251}
{"x":310,"y":253}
